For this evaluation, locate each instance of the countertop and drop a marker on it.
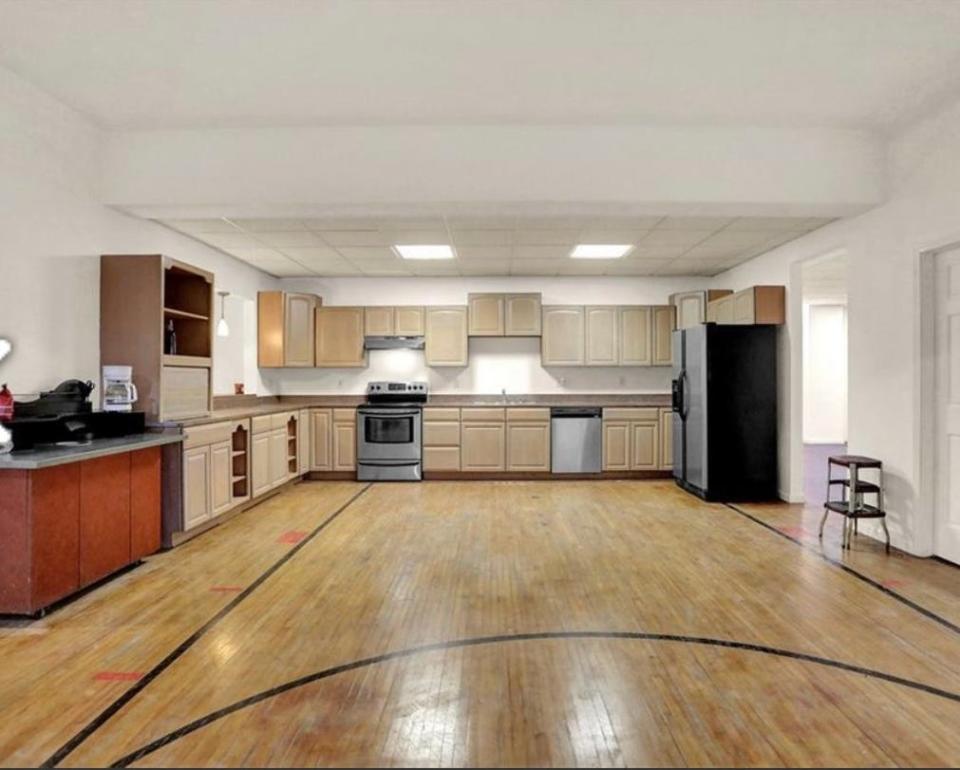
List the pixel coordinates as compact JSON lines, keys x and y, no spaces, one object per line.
{"x":271,"y":405}
{"x":47,"y":456}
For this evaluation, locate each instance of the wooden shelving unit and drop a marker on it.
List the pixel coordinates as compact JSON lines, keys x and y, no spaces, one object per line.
{"x":240,"y":452}
{"x":140,"y":295}
{"x":292,"y":445}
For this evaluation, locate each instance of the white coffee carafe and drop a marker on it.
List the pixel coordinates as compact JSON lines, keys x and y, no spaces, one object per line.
{"x":119,"y":392}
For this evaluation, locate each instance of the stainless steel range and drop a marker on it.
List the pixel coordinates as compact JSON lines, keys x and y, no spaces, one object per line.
{"x":390,"y":432}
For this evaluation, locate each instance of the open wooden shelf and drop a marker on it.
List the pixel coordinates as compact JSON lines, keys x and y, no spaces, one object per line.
{"x":184,"y":314}
{"x":178,"y":360}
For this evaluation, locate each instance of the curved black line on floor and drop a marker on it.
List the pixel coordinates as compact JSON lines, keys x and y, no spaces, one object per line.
{"x":930,"y":614}
{"x":326,"y":673}
{"x":104,"y":716}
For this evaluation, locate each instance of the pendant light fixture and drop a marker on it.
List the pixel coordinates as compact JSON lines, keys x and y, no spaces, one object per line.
{"x":223,"y":330}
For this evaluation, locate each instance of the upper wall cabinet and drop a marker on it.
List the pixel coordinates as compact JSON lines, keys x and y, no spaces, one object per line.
{"x":692,"y":305}
{"x":664,"y":322}
{"x":340,"y":337}
{"x":636,"y":336}
{"x":607,"y":335}
{"x":446,"y":335}
{"x":285,"y":328}
{"x":562,"y":343}
{"x":504,"y":315}
{"x":602,"y":336}
{"x":391,"y":321}
{"x":756,"y":305}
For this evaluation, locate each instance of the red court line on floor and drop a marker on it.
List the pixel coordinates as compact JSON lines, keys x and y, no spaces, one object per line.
{"x":293,"y":536}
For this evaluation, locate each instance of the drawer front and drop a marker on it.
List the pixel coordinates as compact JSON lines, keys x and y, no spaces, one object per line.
{"x":185,"y":392}
{"x":280,"y":420}
{"x":344,"y":415}
{"x":483,"y":414}
{"x":441,"y":413}
{"x":441,"y":458}
{"x":528,"y":414}
{"x":632,"y":413}
{"x":261,"y":424}
{"x":437,"y":433}
{"x":203,"y":435}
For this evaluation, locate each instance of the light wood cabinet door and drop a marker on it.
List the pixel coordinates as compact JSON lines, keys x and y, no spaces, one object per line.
{"x":522,"y":315}
{"x":344,"y":446}
{"x":602,"y":335}
{"x":616,"y":445}
{"x":485,"y":315}
{"x":691,"y":308}
{"x":321,"y":427}
{"x":298,"y":331}
{"x":221,"y":473}
{"x":743,"y":308}
{"x":721,"y":311}
{"x":278,"y":456}
{"x":664,"y":320}
{"x":378,"y":321}
{"x":408,"y":321}
{"x":260,"y":478}
{"x":528,"y":446}
{"x":197,"y":504}
{"x":340,"y":337}
{"x":446,"y":336}
{"x":482,"y":446}
{"x":304,"y":443}
{"x":270,"y":324}
{"x":636,"y":336}
{"x":562,"y":343}
{"x":644,"y":445}
{"x":666,"y":439}
{"x":441,"y":458}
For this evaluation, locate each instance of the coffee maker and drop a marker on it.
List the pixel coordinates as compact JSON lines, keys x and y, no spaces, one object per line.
{"x":119,"y":392}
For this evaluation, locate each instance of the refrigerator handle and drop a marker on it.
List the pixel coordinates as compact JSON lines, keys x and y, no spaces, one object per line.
{"x":684,"y":409}
{"x":677,"y":394}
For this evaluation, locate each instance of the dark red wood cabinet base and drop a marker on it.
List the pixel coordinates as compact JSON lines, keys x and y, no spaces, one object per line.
{"x":67,"y":526}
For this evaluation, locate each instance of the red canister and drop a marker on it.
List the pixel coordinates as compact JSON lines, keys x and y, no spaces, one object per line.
{"x":6,"y":404}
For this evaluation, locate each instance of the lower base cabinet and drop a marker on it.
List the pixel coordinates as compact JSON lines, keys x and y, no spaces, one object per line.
{"x":631,"y":439}
{"x":482,"y":440}
{"x":528,"y":440}
{"x":344,"y":439}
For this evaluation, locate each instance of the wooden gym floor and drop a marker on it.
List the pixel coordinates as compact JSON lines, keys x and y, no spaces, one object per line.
{"x":496,"y":623}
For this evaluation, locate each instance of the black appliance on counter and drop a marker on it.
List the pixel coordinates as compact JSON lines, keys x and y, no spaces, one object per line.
{"x":725,"y":411}
{"x":65,"y":415}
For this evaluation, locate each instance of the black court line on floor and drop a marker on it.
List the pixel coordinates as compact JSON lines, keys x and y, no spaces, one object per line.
{"x":104,"y":716}
{"x":326,"y":673}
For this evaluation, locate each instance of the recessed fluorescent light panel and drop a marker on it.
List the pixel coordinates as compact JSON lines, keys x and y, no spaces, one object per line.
{"x":601,"y":250}
{"x":424,"y":251}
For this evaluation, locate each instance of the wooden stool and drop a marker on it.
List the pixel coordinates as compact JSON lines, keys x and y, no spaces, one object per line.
{"x":851,"y":505}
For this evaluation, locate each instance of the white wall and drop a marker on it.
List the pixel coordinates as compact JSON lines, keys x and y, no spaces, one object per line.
{"x":495,"y":364}
{"x":824,"y":374}
{"x":52,"y":231}
{"x":883,"y":248}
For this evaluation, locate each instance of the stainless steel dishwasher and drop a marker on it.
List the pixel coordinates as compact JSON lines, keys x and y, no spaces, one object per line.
{"x":576,"y":439}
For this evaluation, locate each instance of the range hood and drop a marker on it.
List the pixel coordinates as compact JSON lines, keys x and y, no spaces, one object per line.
{"x":392,"y":343}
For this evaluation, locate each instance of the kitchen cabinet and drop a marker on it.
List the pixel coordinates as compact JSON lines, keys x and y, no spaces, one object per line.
{"x":344,"y":448}
{"x":666,"y":440}
{"x":389,"y":321}
{"x":304,"y":441}
{"x":274,"y":450}
{"x":215,"y":470}
{"x":339,"y":337}
{"x":240,"y":452}
{"x":602,"y":336}
{"x":756,"y":305}
{"x":197,"y":504}
{"x":286,"y":329}
{"x":441,"y":439}
{"x":631,"y":439}
{"x":446,"y":336}
{"x":528,"y":440}
{"x":260,"y":479}
{"x":691,"y":306}
{"x":145,"y":503}
{"x":321,"y":427}
{"x":408,"y":321}
{"x":378,"y":321}
{"x":104,"y":516}
{"x":664,"y":321}
{"x":482,"y":439}
{"x":522,"y":315}
{"x":221,"y":477}
{"x":636,"y":336}
{"x":562,"y":343}
{"x":278,"y":457}
{"x":486,"y":315}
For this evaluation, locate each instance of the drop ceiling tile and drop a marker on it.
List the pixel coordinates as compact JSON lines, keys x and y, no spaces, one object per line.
{"x":411,"y":236}
{"x":366,"y":252}
{"x":354,"y":238}
{"x":541,"y":237}
{"x":318,"y":224}
{"x":743,"y":239}
{"x":711,"y":224}
{"x":815,"y":222}
{"x":486,"y":267}
{"x":620,"y":223}
{"x":690,"y":267}
{"x":431,"y":267}
{"x":310,"y":254}
{"x":466,"y":222}
{"x":636,"y":267}
{"x":269,"y":225}
{"x":535,"y":267}
{"x":257,"y":254}
{"x":200,"y":226}
{"x":599,"y":235}
{"x":780,"y":238}
{"x":226,"y":241}
{"x":686,"y":238}
{"x":706,"y":251}
{"x":482,"y":237}
{"x":382,"y":267}
{"x":656,"y":252}
{"x":542,"y":252}
{"x":768,"y":223}
{"x":283,"y":239}
{"x":478,"y":253}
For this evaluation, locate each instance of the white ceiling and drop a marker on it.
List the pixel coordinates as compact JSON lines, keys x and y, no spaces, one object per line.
{"x":825,"y":280}
{"x":244,"y":63}
{"x":495,"y":245}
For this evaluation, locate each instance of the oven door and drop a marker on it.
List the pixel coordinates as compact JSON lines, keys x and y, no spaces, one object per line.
{"x":388,"y":434}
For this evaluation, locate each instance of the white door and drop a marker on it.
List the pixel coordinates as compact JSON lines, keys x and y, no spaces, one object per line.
{"x":947,"y":534}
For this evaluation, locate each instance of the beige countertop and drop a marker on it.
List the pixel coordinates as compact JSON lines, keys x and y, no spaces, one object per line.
{"x":47,"y":456}
{"x":253,"y":407}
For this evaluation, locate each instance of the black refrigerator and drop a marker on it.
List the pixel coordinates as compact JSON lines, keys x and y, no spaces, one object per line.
{"x":725,"y":412}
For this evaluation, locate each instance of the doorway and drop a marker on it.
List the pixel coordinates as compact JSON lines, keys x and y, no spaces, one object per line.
{"x":946,"y":540}
{"x":824,"y":290}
